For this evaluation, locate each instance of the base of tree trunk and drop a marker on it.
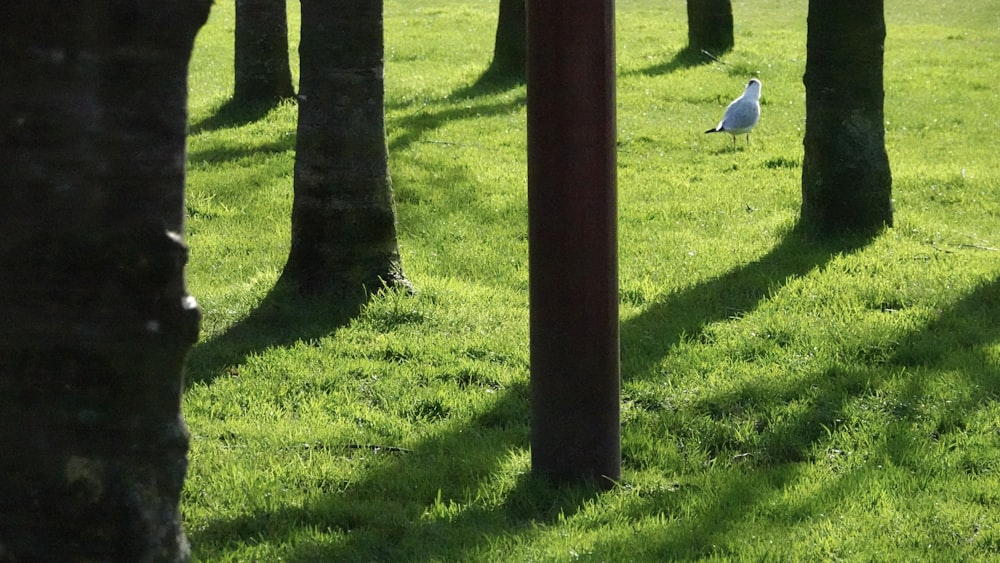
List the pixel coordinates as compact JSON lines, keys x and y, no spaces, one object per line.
{"x":341,"y":289}
{"x":710,"y":26}
{"x":510,"y":51}
{"x":846,"y":178}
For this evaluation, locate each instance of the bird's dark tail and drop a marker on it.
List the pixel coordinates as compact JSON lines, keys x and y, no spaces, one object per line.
{"x":714,"y":130}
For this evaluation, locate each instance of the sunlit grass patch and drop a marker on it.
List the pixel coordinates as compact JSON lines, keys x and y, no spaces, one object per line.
{"x":782,"y":399}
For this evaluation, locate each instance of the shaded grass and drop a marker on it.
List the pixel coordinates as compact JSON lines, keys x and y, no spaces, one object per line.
{"x":782,"y":399}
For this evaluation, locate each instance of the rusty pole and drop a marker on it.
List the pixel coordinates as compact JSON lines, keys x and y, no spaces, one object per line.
{"x":572,"y":231}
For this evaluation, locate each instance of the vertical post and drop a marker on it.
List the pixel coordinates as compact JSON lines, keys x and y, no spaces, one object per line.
{"x":572,"y":228}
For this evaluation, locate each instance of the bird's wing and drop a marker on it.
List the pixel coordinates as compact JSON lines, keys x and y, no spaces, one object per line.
{"x":741,"y":114}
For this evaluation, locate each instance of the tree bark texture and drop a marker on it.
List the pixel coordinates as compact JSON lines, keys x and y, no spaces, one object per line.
{"x":96,"y":320}
{"x":846,"y":180}
{"x":343,"y":215}
{"x":710,"y":26}
{"x":511,"y":45}
{"x":261,"y":59}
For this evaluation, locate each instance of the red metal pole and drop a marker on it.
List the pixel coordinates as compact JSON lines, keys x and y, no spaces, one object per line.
{"x":572,"y":231}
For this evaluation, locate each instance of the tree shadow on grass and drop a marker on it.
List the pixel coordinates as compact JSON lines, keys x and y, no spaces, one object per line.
{"x":416,"y":125}
{"x":229,"y":153}
{"x":232,"y":114}
{"x":682,"y":59}
{"x":283,"y":318}
{"x":389,"y":514}
{"x":684,"y":314}
{"x":955,"y":345}
{"x":491,"y":81}
{"x":955,"y":339}
{"x":459,"y":104}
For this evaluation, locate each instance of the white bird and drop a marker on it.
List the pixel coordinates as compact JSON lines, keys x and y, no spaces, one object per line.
{"x":743,"y":114}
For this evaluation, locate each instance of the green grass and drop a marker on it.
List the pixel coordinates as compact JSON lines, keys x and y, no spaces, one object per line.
{"x":781,"y":399}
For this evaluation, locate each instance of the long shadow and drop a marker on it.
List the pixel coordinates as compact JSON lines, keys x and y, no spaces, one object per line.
{"x":230,"y":153}
{"x":727,"y":492}
{"x":685,"y":313}
{"x":966,"y":329}
{"x":958,"y":334}
{"x":283,"y":318}
{"x":682,"y":59}
{"x":383,"y":516}
{"x":444,"y":469}
{"x":456,"y":460}
{"x":490,"y":82}
{"x":416,"y":125}
{"x":231,"y":114}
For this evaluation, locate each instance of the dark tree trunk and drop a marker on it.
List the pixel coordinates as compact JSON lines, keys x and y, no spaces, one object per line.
{"x":572,"y":230}
{"x":343,"y":216}
{"x":710,"y":26}
{"x":510,"y":48}
{"x":96,"y":321}
{"x":261,"y":66}
{"x":846,"y":181}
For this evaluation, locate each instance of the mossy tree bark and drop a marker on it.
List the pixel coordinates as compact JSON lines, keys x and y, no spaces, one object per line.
{"x":710,"y":26}
{"x":262,"y":73}
{"x":343,"y":215}
{"x":846,"y":180}
{"x":96,"y":317}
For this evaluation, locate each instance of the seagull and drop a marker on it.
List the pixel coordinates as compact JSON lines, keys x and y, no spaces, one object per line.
{"x":743,"y":114}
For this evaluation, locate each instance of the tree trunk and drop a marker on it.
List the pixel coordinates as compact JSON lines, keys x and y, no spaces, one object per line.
{"x":261,"y":66}
{"x":343,"y":216}
{"x":510,"y":48}
{"x":572,"y":230}
{"x":96,"y":321}
{"x":710,"y":26}
{"x":846,"y":181}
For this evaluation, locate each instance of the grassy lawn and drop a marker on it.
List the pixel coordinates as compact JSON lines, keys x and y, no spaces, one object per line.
{"x":781,"y":399}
